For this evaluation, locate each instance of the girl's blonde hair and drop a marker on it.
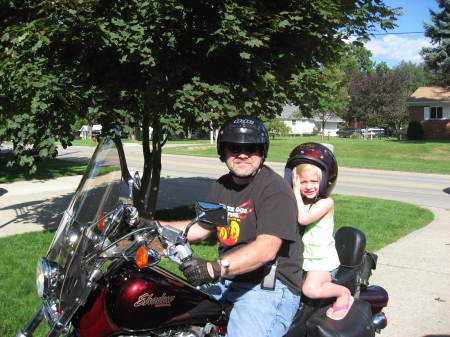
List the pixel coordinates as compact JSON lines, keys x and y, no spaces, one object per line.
{"x":299,"y":169}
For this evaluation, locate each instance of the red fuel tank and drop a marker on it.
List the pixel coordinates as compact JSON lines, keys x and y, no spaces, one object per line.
{"x":151,"y":298}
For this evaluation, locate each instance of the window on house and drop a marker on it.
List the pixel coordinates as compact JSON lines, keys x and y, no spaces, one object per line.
{"x":436,"y":112}
{"x":294,"y":122}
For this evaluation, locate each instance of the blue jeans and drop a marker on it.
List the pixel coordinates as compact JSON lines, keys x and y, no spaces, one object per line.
{"x":256,"y":312}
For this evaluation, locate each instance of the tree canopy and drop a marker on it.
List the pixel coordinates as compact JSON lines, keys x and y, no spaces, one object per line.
{"x":437,"y":57}
{"x":332,"y":97}
{"x":356,"y":59}
{"x":416,"y":75}
{"x":162,"y":64}
{"x":379,"y":99}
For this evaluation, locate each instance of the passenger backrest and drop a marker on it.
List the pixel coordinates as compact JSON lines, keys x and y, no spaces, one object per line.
{"x":350,"y":246}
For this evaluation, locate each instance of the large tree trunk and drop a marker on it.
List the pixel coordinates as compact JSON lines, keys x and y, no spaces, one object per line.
{"x":152,"y":166}
{"x":152,"y":196}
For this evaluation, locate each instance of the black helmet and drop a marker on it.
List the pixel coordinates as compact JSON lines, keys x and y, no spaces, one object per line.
{"x":243,"y":130}
{"x":318,"y":155}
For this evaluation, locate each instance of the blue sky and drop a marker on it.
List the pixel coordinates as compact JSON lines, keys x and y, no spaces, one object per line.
{"x":393,"y":48}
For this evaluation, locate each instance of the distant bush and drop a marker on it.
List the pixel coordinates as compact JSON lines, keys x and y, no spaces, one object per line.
{"x":276,"y":127}
{"x":356,"y":135}
{"x":415,"y":131}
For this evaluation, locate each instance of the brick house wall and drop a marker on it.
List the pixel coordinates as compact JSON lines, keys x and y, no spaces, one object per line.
{"x":415,"y":113}
{"x":433,"y":129}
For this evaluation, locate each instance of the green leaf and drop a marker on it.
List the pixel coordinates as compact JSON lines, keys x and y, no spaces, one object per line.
{"x":284,"y":24}
{"x":22,"y":37}
{"x":37,"y":45}
{"x":43,"y":153}
{"x":245,"y":56}
{"x":254,"y":43}
{"x":5,"y":37}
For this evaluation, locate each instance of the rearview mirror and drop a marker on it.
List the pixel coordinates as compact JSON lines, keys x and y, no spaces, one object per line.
{"x":215,"y":214}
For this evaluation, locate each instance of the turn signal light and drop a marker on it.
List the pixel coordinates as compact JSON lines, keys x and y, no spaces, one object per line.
{"x":142,"y":257}
{"x":101,"y":223}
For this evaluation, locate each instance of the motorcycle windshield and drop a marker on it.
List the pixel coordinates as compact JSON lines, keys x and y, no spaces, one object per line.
{"x":100,"y":191}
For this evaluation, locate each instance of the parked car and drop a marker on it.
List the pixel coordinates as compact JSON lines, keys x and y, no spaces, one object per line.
{"x":96,"y":133}
{"x":347,"y":132}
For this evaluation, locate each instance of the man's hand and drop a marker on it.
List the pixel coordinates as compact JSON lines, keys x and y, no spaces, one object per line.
{"x":196,"y":271}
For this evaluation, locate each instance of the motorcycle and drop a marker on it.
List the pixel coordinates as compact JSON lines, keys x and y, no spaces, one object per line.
{"x":103,"y":277}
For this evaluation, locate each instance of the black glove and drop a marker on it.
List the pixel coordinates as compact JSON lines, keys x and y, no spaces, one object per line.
{"x":196,"y":271}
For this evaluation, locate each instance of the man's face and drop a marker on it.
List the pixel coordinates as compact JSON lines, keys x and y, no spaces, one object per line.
{"x":243,"y":160}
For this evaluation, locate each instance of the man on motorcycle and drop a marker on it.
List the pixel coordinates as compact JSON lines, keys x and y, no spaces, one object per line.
{"x":259,"y":269}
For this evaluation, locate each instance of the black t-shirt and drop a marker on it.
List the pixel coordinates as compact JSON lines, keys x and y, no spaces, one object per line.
{"x":264,"y":206}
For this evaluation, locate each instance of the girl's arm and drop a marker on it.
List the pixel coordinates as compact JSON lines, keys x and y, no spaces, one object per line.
{"x":310,"y":213}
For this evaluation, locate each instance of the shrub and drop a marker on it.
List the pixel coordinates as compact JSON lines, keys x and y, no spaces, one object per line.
{"x":415,"y":131}
{"x":356,"y":135}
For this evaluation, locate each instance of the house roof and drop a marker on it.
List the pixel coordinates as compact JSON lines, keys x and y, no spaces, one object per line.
{"x":430,"y":95}
{"x":291,"y":112}
{"x":335,"y":119}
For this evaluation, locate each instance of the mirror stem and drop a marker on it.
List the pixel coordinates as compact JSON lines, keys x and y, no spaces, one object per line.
{"x":194,"y":221}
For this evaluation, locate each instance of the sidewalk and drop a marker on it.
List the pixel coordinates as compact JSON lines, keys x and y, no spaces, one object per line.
{"x":29,"y":206}
{"x":415,"y":270}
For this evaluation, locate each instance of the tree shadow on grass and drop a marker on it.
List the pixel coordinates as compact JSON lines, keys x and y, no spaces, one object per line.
{"x":46,"y":169}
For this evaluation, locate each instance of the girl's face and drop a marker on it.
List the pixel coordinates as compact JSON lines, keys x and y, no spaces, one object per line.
{"x":309,"y":183}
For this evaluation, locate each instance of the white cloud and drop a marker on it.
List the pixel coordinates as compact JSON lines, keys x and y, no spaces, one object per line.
{"x":394,"y":49}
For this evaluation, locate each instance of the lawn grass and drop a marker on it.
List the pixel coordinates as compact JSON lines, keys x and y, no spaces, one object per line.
{"x":382,"y":221}
{"x":46,"y":169}
{"x":386,"y":153}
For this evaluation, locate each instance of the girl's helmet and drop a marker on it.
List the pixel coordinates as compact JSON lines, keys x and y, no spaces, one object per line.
{"x":243,"y":130}
{"x":318,"y":155}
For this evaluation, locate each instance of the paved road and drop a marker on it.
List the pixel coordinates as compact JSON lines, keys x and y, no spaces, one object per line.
{"x":194,"y":174}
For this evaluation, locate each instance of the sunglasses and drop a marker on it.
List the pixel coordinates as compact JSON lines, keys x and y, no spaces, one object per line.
{"x":243,"y":148}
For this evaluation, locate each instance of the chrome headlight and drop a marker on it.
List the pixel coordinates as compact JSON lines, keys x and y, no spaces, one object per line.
{"x":47,"y":275}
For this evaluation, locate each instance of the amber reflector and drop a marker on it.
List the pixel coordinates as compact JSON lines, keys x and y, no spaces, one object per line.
{"x":101,"y":222}
{"x":101,"y":225}
{"x":142,"y":257}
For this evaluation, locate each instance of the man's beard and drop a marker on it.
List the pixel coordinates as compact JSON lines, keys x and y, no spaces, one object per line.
{"x":245,"y":175}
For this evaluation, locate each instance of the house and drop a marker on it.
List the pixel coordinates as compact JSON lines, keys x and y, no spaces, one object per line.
{"x":95,"y":131}
{"x":431,"y":107}
{"x":301,"y":125}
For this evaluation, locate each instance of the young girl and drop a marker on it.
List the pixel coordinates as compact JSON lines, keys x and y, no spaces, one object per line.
{"x":320,"y":255}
